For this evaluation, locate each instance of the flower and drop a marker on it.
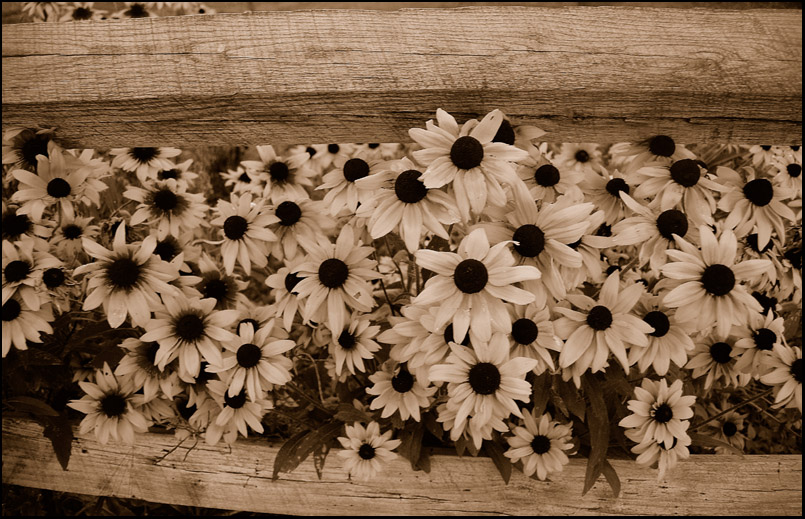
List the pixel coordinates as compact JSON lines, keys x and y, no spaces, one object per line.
{"x":284,"y":177}
{"x":112,"y":408}
{"x":709,"y":282}
{"x":785,"y":376}
{"x":145,"y":162}
{"x":126,"y":279}
{"x":22,"y":145}
{"x":286,"y":299}
{"x":397,"y":389}
{"x":788,"y":175}
{"x":236,"y":413}
{"x":540,"y":445}
{"x":532,"y":336}
{"x":467,"y":160}
{"x":334,"y":277}
{"x":22,"y":324}
{"x":67,"y":239}
{"x":168,"y":206}
{"x":18,"y":226}
{"x":365,"y":449}
{"x":138,"y":364}
{"x":226,"y":290}
{"x":22,"y":272}
{"x":246,"y":234}
{"x":580,"y":157}
{"x":604,"y":190}
{"x":660,"y":412}
{"x":659,"y":149}
{"x":650,"y":451}
{"x":545,"y":181}
{"x":353,"y":344}
{"x":297,"y":218}
{"x":241,"y":181}
{"x":757,"y":337}
{"x":342,"y":189}
{"x":728,"y":428}
{"x":715,"y":356}
{"x":470,"y":285}
{"x":81,"y":11}
{"x":670,"y":340}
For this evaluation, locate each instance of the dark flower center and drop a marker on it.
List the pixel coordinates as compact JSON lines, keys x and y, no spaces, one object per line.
{"x":530,"y":240}
{"x":599,"y":318}
{"x":215,"y":288}
{"x":366,"y":451}
{"x":11,"y":310}
{"x":310,"y":151}
{"x":721,"y":352}
{"x":794,"y":170}
{"x":524,"y":331}
{"x":751,"y":240}
{"x":249,"y":355}
{"x":333,"y":272}
{"x":279,"y":171}
{"x":248,"y":320}
{"x":143,"y":155}
{"x":355,"y":169}
{"x":765,"y":339}
{"x":166,"y":174}
{"x":15,"y":225}
{"x":346,"y":340}
{"x":467,"y":152}
{"x":291,"y":280}
{"x":72,"y":231}
{"x":505,"y":133}
{"x":547,"y":175}
{"x":235,"y":227}
{"x":729,"y":429}
{"x":113,"y":405}
{"x":333,"y":148}
{"x":237,"y":401}
{"x":165,"y":200}
{"x":718,"y":279}
{"x":449,"y":337}
{"x":659,"y":321}
{"x":615,"y":186}
{"x":759,"y":191}
{"x":663,"y":413}
{"x":17,"y":270}
{"x":245,"y":178}
{"x":765,"y":148}
{"x":484,"y":378}
{"x":582,"y":156}
{"x":541,"y":444}
{"x":470,"y":276}
{"x":672,"y":222}
{"x":288,"y":213}
{"x":409,"y":188}
{"x":137,"y":11}
{"x":662,"y":145}
{"x":794,"y":148}
{"x":373,"y":145}
{"x":58,"y":188}
{"x":686,"y":172}
{"x":123,"y":273}
{"x":203,"y":375}
{"x":53,"y":278}
{"x":403,"y":381}
{"x":189,"y":327}
{"x":796,"y":367}
{"x":36,"y":144}
{"x":167,"y":249}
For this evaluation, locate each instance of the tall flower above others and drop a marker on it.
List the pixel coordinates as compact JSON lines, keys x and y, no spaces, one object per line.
{"x":126,"y":279}
{"x":471,"y":285}
{"x":246,"y":233}
{"x":468,"y":160}
{"x":710,"y":289}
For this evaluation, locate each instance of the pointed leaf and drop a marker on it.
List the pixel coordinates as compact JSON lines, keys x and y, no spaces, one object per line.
{"x":319,"y":455}
{"x":60,"y":433}
{"x":598,"y":423}
{"x":503,"y":463}
{"x":612,"y":477}
{"x":572,"y":398}
{"x":286,"y":459}
{"x":31,"y":405}
{"x":541,"y":393}
{"x":411,"y":445}
{"x":702,"y":440}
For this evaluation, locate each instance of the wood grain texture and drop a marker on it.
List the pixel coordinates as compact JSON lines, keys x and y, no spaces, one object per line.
{"x":241,"y":479}
{"x":598,"y":74}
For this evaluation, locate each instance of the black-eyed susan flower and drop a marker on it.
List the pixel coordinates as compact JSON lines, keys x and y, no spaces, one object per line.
{"x":756,"y":338}
{"x":227,"y":290}
{"x":22,"y":145}
{"x":167,"y":206}
{"x":584,"y":158}
{"x":300,"y":217}
{"x":240,"y":181}
{"x":785,"y":376}
{"x":545,"y":181}
{"x":540,"y":445}
{"x":244,"y":225}
{"x":283,"y":177}
{"x":397,"y":389}
{"x":22,"y":272}
{"x":603,"y":190}
{"x":22,"y":324}
{"x":139,"y":364}
{"x":715,"y":357}
{"x":658,"y":149}
{"x":665,"y":456}
{"x":81,"y":11}
{"x":236,"y":414}
{"x":532,"y":335}
{"x":18,"y":226}
{"x":728,"y":428}
{"x":669,"y":342}
{"x":787,"y":171}
{"x":341,"y":183}
{"x":67,"y":238}
{"x":353,"y":344}
{"x":283,"y":289}
{"x":366,"y":450}
{"x":660,"y":412}
{"x":144,"y":162}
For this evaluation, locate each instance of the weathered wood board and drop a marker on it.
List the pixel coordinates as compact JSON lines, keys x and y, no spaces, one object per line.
{"x":240,"y":479}
{"x":599,"y":74}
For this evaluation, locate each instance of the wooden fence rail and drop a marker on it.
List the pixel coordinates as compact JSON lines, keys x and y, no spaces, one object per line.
{"x":241,"y":479}
{"x":597,"y":74}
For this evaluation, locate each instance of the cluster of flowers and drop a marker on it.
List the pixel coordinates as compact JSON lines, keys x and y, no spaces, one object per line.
{"x":80,"y":11}
{"x":493,"y":258}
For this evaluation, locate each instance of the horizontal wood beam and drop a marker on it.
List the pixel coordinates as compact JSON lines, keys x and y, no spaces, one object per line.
{"x":599,"y":74}
{"x":240,"y":479}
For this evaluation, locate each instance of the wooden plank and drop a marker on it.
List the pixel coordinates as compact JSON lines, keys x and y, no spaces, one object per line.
{"x":241,"y":479}
{"x":597,"y":74}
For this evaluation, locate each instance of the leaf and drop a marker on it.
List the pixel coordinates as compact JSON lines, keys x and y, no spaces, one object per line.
{"x":319,"y":455}
{"x":598,"y":423}
{"x":541,"y":393}
{"x":411,"y":445}
{"x":348,"y":413}
{"x":702,"y":440}
{"x":286,"y":456}
{"x":612,"y":477}
{"x":31,"y":405}
{"x":573,"y":400}
{"x":433,"y":426}
{"x":109,"y":355}
{"x":503,"y":463}
{"x":60,"y":434}
{"x":424,"y":461}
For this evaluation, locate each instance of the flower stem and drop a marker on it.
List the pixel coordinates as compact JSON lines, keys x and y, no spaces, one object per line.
{"x":733,"y":408}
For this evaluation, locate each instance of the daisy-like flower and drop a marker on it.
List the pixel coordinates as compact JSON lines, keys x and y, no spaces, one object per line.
{"x":397,"y":389}
{"x":406,"y":205}
{"x":166,"y":205}
{"x":226,"y":290}
{"x":136,"y":10}
{"x":138,"y":363}
{"x":598,"y":236}
{"x":286,"y":300}
{"x":653,"y":230}
{"x":520,"y":135}
{"x":189,"y":329}
{"x":237,"y":414}
{"x":710,"y":289}
{"x":246,"y":234}
{"x":764,"y":155}
{"x":380,"y":150}
{"x":660,"y":413}
{"x":354,"y":344}
{"x":180,"y":173}
{"x":112,"y":408}
{"x":284,"y":177}
{"x":126,"y":279}
{"x":682,"y":182}
{"x":582,"y":157}
{"x":67,"y":239}
{"x":22,"y":324}
{"x":757,"y":337}
{"x":541,"y":445}
{"x":601,"y":327}
{"x":657,"y":149}
{"x":467,"y":160}
{"x":342,"y":190}
{"x":59,"y":288}
{"x":772,"y":252}
{"x":43,"y":11}
{"x":665,"y":456}
{"x":728,"y":428}
{"x":145,"y":162}
{"x":254,"y":361}
{"x":471,"y":285}
{"x":788,"y":173}
{"x":754,"y":202}
{"x":299,"y":217}
{"x":669,"y":342}
{"x":324,"y":155}
{"x":716,"y":357}
{"x":240,"y":181}
{"x":532,"y":336}
{"x":18,"y":226}
{"x":786,"y":376}
{"x":22,"y":272}
{"x":483,"y":381}
{"x":81,"y":11}
{"x":22,"y":145}
{"x":545,"y":181}
{"x":604,"y":190}
{"x":366,"y":450}
{"x":334,"y":277}
{"x":474,"y":430}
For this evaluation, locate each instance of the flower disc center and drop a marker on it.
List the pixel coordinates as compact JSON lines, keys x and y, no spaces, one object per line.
{"x":165,"y":200}
{"x":449,"y":337}
{"x":686,"y":172}
{"x":279,"y":171}
{"x":235,"y":227}
{"x":530,"y":240}
{"x":467,"y":152}
{"x":53,"y":278}
{"x":11,"y":310}
{"x":333,"y":272}
{"x":72,"y":231}
{"x":249,"y":355}
{"x":58,"y":188}
{"x":541,"y":444}
{"x":796,"y":369}
{"x":403,"y":381}
{"x":291,"y":280}
{"x":409,"y":188}
{"x":470,"y":276}
{"x":17,"y":270}
{"x":615,"y":186}
{"x":15,"y":225}
{"x":794,"y":170}
{"x":355,"y":169}
{"x":670,"y":222}
{"x":189,"y":327}
{"x":765,"y":339}
{"x":547,"y":175}
{"x":718,"y":280}
{"x":346,"y":340}
{"x":237,"y":401}
{"x":167,"y":249}
{"x":144,"y":155}
{"x":663,"y":413}
{"x":524,"y":331}
{"x":599,"y":318}
{"x":721,"y":352}
{"x":582,"y":156}
{"x":729,"y":429}
{"x":113,"y":405}
{"x":484,"y":378}
{"x":662,"y":146}
{"x":505,"y":133}
{"x":366,"y":451}
{"x":759,"y":192}
{"x":123,"y":273}
{"x":659,"y":321}
{"x":289,"y":213}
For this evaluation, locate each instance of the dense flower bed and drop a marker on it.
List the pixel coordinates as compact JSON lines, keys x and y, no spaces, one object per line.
{"x":478,"y":288}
